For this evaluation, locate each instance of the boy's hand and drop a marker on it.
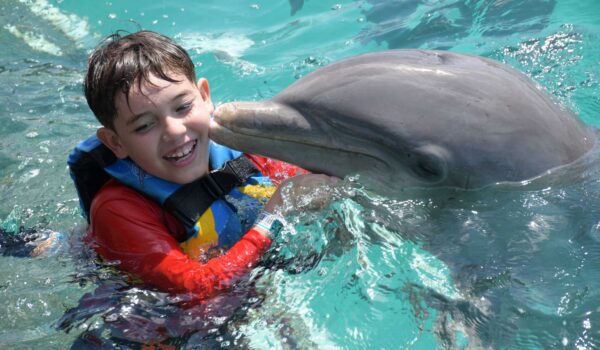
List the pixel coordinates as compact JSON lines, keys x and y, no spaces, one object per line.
{"x":301,"y":192}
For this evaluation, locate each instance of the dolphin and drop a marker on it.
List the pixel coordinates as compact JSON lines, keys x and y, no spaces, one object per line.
{"x":410,"y":118}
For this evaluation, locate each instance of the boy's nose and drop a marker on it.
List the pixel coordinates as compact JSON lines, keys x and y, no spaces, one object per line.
{"x":174,"y":127}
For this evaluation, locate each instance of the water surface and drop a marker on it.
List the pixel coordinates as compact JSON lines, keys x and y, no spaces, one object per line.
{"x":510,"y":266}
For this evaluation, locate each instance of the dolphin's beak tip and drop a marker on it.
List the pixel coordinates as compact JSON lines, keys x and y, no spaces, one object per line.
{"x":222,"y":110}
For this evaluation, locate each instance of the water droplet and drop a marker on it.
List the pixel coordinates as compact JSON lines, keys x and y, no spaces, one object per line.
{"x":587,"y":324}
{"x":30,"y":175}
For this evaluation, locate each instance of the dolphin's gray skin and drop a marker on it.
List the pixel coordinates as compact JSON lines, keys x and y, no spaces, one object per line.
{"x":410,"y":118}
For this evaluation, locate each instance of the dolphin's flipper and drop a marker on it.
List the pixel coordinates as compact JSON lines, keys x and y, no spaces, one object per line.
{"x":296,"y":5}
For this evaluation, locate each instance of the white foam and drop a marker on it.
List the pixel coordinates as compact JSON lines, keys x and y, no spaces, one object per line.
{"x":227,"y":47}
{"x":233,"y":45}
{"x":35,"y":40}
{"x":29,"y":175}
{"x":71,"y":25}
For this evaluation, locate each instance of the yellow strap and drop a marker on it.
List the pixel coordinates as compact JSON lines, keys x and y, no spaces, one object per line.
{"x":207,"y":237}
{"x":260,"y":192}
{"x":204,"y":239}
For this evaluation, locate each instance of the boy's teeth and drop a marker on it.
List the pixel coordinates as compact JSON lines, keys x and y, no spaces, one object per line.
{"x":183,"y":152}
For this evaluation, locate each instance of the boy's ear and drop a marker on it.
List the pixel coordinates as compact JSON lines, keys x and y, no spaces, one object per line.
{"x":111,"y":140}
{"x":204,"y":90}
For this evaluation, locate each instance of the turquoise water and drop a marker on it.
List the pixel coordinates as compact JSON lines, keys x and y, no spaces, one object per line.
{"x":512,"y":266}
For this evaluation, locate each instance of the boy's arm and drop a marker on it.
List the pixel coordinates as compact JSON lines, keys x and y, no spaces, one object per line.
{"x":132,"y":232}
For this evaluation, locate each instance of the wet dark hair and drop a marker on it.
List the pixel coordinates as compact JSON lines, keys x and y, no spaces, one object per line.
{"x":121,"y":61}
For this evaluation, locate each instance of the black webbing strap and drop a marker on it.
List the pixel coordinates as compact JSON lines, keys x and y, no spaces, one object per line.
{"x":89,"y":175}
{"x":193,"y":199}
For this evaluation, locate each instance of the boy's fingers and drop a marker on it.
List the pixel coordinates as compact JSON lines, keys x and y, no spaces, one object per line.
{"x":311,"y":179}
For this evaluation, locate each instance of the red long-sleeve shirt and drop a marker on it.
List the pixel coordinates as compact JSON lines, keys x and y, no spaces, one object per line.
{"x":136,"y":231}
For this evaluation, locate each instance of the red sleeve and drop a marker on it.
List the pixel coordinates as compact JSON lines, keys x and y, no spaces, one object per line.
{"x":129,"y":228}
{"x":275,"y":169}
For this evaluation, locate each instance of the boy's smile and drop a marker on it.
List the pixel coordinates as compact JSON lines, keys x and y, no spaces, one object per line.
{"x":182,"y":154}
{"x":163,"y":128}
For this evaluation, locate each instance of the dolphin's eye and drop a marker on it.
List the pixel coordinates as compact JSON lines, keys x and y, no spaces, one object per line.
{"x":429,"y":163}
{"x":427,"y":169}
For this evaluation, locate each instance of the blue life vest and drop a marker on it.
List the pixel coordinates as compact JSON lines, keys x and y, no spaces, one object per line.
{"x":215,"y":210}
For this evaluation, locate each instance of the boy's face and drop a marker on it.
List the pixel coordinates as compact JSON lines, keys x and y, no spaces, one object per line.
{"x":164,"y":128}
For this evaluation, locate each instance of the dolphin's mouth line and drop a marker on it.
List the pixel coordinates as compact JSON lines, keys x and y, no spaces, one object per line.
{"x":309,"y":144}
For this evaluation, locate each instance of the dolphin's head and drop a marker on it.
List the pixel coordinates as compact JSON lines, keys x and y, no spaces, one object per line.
{"x":326,"y":143}
{"x":410,"y":118}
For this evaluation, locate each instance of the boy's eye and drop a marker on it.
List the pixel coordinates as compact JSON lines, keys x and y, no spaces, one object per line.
{"x":143,"y":127}
{"x":184,"y":107}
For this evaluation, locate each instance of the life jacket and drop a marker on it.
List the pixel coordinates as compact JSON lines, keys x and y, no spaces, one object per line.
{"x":216,"y":210}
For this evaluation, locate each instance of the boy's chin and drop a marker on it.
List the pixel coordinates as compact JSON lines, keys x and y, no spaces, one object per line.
{"x":187,"y":177}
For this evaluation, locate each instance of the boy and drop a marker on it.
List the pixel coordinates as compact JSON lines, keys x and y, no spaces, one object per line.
{"x":155,"y":120}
